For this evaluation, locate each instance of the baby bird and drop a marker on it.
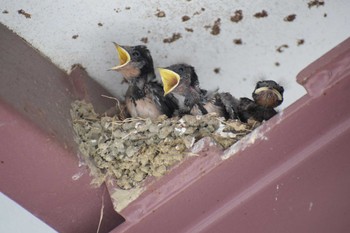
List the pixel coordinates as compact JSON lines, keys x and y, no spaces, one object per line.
{"x":248,"y":109}
{"x":144,"y":97}
{"x":267,"y":95}
{"x":182,"y":81}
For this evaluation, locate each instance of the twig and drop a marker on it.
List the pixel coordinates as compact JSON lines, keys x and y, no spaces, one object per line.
{"x":233,"y":126}
{"x":131,"y":132}
{"x":122,"y":113}
{"x":126,"y":120}
{"x":110,"y":97}
{"x":101,"y":213}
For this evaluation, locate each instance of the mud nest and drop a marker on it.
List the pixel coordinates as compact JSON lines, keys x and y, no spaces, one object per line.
{"x":132,"y":149}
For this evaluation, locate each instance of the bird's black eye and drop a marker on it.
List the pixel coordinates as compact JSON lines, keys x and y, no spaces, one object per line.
{"x":181,"y":70}
{"x":135,"y":53}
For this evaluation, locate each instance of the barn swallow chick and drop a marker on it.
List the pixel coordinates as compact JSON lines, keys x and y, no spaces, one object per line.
{"x":248,"y":109}
{"x":230,"y":104}
{"x":268,"y":93}
{"x":144,"y":97}
{"x":134,"y":62}
{"x":182,"y":81}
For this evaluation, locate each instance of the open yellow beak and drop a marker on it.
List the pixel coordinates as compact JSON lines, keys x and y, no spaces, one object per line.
{"x":123,"y":55}
{"x":170,"y":80}
{"x":261,"y":89}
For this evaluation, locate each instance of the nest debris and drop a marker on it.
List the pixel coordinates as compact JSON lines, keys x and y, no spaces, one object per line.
{"x":132,"y":149}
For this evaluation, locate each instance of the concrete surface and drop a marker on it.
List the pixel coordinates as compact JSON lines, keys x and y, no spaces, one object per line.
{"x":52,"y":26}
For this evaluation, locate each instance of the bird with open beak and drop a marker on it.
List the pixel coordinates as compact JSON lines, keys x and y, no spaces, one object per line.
{"x":266,"y":96}
{"x":268,"y":93}
{"x":144,"y":97}
{"x":182,"y":81}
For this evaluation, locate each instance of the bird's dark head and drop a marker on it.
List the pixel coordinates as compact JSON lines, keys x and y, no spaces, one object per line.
{"x":268,"y":93}
{"x":178,"y":78}
{"x":134,"y":61}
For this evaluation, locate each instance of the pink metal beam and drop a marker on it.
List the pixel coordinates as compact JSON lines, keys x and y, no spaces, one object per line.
{"x":38,"y":163}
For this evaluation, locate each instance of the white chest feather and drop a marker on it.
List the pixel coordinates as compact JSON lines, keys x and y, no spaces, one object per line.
{"x":143,"y":108}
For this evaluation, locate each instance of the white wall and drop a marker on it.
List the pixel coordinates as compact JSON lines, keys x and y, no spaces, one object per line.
{"x":53,"y":23}
{"x":15,"y":219}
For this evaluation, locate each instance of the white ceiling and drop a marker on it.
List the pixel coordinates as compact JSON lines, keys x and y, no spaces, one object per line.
{"x":53,"y":24}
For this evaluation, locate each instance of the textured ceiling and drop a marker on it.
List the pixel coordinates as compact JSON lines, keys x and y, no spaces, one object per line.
{"x":70,"y":32}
